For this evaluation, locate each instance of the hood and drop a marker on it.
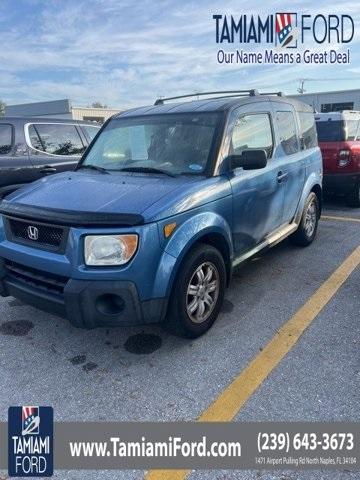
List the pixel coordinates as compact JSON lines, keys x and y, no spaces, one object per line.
{"x":125,"y":193}
{"x":127,"y":198}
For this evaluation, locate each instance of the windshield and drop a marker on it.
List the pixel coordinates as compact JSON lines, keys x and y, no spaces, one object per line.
{"x":338,"y":130}
{"x":168,"y":143}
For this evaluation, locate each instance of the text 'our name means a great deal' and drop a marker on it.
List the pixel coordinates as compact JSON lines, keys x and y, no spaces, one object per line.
{"x":274,"y":57}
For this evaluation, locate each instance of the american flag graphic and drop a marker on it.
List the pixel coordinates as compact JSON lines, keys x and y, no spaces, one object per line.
{"x":283,"y":28}
{"x":30,"y":420}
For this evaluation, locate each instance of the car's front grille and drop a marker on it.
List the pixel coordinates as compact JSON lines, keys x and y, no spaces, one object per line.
{"x":45,"y":281}
{"x":36,"y":234}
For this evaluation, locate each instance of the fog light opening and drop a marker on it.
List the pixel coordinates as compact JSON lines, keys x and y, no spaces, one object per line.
{"x":110,"y":304}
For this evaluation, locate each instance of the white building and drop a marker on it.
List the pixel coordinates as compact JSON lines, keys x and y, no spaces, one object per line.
{"x":332,"y":101}
{"x":60,"y":109}
{"x":320,"y":101}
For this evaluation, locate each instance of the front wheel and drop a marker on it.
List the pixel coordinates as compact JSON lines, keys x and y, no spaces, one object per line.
{"x":307,"y":229}
{"x":198,"y":293}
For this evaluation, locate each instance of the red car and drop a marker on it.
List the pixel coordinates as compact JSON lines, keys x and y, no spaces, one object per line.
{"x":339,"y":140}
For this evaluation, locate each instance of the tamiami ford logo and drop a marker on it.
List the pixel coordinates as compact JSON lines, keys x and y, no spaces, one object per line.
{"x":286,"y":30}
{"x":30,"y":441}
{"x":287,"y":37}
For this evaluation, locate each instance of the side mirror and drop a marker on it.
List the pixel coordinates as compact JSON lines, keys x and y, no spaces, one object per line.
{"x":249,"y":160}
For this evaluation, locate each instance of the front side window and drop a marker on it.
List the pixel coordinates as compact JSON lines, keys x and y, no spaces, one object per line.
{"x":5,"y":139}
{"x":308,"y":129}
{"x":56,"y":139}
{"x":172,"y":143}
{"x":252,"y":132}
{"x":288,"y":134}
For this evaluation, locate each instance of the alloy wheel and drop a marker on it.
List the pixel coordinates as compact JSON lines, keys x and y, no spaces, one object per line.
{"x":310,"y":219}
{"x":202,"y":292}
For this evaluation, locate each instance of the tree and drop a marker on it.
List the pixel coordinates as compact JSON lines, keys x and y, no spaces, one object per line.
{"x":98,"y":105}
{"x":2,"y":108}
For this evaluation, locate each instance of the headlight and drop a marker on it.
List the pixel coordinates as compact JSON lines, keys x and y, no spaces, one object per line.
{"x":110,"y":249}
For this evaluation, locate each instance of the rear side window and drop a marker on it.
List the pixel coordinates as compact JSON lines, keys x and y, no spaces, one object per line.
{"x":252,"y":132}
{"x":90,"y":131}
{"x":288,"y":134}
{"x":5,"y":139}
{"x":308,"y":129}
{"x":352,"y":130}
{"x":56,"y":139}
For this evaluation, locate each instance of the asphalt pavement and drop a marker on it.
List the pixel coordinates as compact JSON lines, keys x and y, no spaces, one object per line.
{"x":142,"y":373}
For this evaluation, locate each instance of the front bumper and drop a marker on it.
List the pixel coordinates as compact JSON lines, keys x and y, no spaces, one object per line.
{"x":340,"y":183}
{"x":86,"y":303}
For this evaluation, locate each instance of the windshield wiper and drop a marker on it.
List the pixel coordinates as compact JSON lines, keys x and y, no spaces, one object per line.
{"x":94,"y":167}
{"x":146,"y":170}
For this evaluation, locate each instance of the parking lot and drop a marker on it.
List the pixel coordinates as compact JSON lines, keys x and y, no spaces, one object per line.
{"x":142,"y":373}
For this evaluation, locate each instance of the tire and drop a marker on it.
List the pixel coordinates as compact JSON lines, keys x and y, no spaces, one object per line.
{"x":353,"y":198}
{"x":179,"y":321}
{"x":307,"y":229}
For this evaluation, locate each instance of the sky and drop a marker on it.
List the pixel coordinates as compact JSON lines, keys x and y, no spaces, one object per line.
{"x":127,"y":53}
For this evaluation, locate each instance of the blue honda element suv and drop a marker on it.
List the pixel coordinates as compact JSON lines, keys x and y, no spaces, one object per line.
{"x":166,"y":201}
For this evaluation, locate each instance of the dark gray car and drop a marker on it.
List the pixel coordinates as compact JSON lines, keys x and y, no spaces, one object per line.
{"x":31,"y":148}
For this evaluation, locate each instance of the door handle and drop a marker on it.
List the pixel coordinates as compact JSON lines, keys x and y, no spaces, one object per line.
{"x":281,"y":176}
{"x":48,"y":169}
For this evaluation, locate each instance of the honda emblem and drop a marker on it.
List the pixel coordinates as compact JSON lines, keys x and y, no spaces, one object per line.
{"x":33,"y":232}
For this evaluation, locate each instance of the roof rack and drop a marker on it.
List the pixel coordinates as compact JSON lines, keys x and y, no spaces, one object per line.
{"x":278,"y":94}
{"x":235,"y":93}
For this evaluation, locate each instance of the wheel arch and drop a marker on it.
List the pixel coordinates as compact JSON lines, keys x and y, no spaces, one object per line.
{"x":313,"y":184}
{"x":210,"y":229}
{"x":318,"y":192}
{"x":218,"y":241}
{"x":207,"y":237}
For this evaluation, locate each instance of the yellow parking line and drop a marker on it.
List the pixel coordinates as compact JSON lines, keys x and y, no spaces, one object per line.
{"x":232,"y":399}
{"x":341,"y":219}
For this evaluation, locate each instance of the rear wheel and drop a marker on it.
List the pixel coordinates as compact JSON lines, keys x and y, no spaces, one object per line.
{"x":198,"y":293}
{"x":307,"y":229}
{"x":353,"y":198}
